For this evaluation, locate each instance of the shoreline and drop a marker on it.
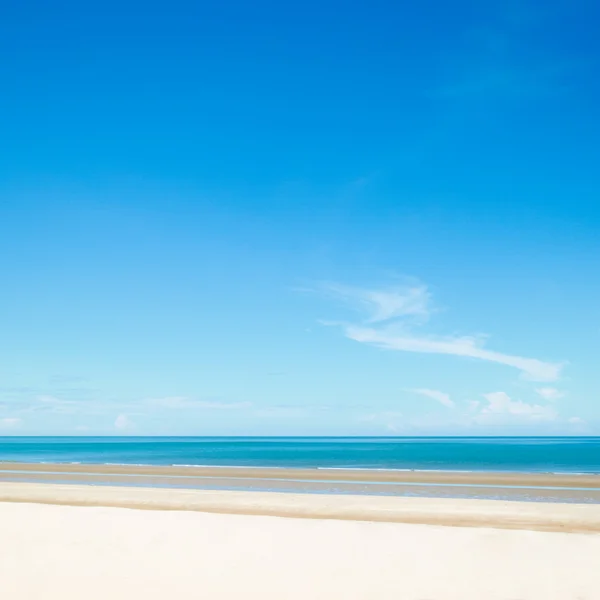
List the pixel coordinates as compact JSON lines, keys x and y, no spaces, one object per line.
{"x":489,"y":472}
{"x":499,"y":478}
{"x":514,"y":487}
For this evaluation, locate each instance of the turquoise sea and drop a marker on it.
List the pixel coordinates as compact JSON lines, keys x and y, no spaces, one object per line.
{"x":523,"y":454}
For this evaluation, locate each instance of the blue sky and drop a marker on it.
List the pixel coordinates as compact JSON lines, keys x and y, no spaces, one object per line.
{"x":322,"y":218}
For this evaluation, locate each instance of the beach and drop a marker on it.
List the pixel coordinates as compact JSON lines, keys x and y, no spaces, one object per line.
{"x":544,"y":487}
{"x":86,"y":541}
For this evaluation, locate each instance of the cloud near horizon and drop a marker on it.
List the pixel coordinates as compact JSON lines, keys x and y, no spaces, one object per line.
{"x":492,"y":415}
{"x":123,"y":423}
{"x":391,"y":315}
{"x":500,"y":404}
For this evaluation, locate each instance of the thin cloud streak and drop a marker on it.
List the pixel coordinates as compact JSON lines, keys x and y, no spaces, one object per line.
{"x":390,"y":314}
{"x":385,"y":304}
{"x":531,"y":368}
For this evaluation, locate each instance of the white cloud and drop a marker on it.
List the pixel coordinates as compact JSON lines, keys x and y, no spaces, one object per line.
{"x":184,"y":402}
{"x":501,"y":406}
{"x":473,"y":404}
{"x":470,"y":347}
{"x":441,"y":397}
{"x":122,"y":422}
{"x":390,"y":317}
{"x":549,"y":393}
{"x":385,"y":304}
{"x":9,"y":422}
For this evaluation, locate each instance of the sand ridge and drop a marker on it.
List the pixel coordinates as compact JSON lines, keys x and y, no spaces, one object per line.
{"x":432,"y":511}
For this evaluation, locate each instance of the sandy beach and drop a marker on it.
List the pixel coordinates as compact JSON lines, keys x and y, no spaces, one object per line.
{"x":70,"y":542}
{"x":534,"y":516}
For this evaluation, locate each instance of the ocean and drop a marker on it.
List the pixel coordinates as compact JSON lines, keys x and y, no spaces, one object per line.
{"x":518,"y":454}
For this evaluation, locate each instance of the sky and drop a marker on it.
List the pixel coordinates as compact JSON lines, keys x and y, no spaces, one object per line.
{"x":320,"y":218}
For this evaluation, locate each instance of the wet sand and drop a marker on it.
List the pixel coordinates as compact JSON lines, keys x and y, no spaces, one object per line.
{"x":358,"y":475}
{"x":537,"y":487}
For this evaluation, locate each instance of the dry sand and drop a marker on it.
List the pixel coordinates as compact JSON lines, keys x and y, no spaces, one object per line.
{"x":95,"y":552}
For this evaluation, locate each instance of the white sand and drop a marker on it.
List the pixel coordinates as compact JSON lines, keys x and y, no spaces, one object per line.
{"x":91,"y":553}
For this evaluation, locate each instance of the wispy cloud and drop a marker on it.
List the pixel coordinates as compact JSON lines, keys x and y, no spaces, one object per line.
{"x":388,"y":322}
{"x":9,"y":422}
{"x":549,"y":393}
{"x":470,"y":347}
{"x":46,"y":403}
{"x":496,"y":412}
{"x":56,"y":405}
{"x":440,"y":397}
{"x":386,"y":303}
{"x":183,"y":402}
{"x":501,"y":405}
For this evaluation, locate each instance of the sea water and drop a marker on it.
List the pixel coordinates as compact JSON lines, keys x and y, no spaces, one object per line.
{"x":521,"y":454}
